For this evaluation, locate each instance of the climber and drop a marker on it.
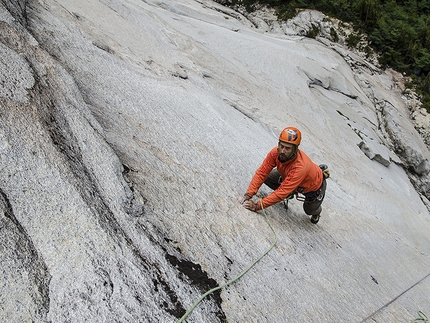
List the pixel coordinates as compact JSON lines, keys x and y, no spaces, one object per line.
{"x":289,"y":171}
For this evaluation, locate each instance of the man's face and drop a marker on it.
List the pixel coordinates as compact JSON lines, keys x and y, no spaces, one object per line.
{"x":285,"y":151}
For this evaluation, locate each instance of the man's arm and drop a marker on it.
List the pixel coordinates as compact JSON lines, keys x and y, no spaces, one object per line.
{"x":289,"y":185}
{"x":261,"y":173}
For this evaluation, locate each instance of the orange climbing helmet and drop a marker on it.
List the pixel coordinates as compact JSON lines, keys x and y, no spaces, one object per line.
{"x":291,"y":135}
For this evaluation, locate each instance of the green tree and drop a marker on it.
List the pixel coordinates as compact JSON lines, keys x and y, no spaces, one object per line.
{"x":368,"y":12}
{"x":422,"y":60}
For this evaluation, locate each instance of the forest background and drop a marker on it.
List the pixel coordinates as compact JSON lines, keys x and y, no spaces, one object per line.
{"x":399,"y":31}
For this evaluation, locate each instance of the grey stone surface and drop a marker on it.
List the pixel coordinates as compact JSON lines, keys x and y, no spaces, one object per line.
{"x":128,"y":131}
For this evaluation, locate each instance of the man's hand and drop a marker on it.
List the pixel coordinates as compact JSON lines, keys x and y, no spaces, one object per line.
{"x":250,"y":205}
{"x":245,"y":198}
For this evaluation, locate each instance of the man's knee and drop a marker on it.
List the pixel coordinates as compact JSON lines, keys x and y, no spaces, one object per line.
{"x":312,"y":209}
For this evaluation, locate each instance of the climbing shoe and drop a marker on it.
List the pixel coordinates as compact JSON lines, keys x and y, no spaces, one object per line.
{"x":315,"y":218}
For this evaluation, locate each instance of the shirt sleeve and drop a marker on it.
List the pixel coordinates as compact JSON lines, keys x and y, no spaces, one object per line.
{"x":289,"y":185}
{"x":261,"y":173}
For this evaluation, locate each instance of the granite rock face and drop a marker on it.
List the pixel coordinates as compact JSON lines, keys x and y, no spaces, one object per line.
{"x":129,"y":130}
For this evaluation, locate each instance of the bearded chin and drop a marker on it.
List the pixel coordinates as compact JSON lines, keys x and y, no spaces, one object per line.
{"x":285,"y":158}
{"x":282,"y":158}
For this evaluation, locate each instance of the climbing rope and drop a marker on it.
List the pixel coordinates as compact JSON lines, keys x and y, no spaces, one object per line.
{"x":240,"y":275}
{"x":422,"y":318}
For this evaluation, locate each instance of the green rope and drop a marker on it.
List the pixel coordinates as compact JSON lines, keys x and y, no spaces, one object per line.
{"x":422,"y":318}
{"x":240,"y":275}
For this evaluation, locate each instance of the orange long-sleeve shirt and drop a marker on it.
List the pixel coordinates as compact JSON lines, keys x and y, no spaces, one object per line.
{"x":299,"y":173}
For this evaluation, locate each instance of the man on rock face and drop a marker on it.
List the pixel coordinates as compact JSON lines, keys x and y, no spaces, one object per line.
{"x":288,"y":171}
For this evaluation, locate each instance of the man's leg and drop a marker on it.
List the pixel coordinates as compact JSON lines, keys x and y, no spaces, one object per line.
{"x":313,"y":207}
{"x":274,"y":179}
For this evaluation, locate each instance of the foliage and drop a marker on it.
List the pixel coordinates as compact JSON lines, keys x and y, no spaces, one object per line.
{"x":334,"y":34}
{"x":313,"y":31}
{"x":353,"y":39}
{"x":399,"y":30}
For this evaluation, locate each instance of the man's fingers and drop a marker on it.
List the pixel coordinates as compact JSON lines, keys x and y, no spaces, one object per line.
{"x":244,"y":198}
{"x":249,"y":205}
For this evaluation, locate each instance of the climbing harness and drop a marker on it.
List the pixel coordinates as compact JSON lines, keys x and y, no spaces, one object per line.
{"x":241,"y":274}
{"x":310,"y":196}
{"x":422,"y":318}
{"x":306,"y":197}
